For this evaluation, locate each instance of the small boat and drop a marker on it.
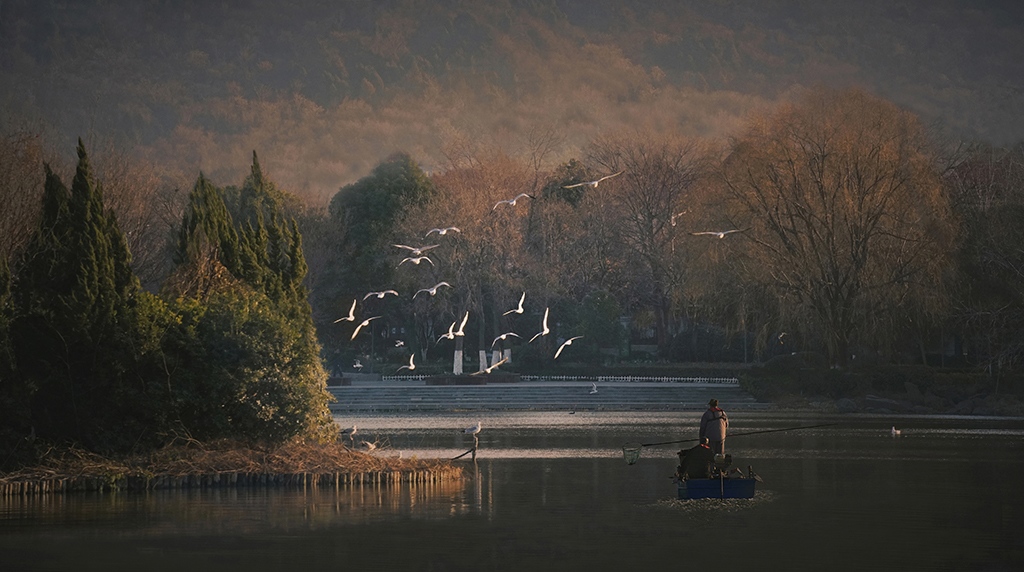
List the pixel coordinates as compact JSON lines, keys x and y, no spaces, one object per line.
{"x":722,"y":482}
{"x":720,"y":488}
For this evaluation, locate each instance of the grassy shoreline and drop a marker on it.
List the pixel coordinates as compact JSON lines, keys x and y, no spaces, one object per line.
{"x":196,"y":465}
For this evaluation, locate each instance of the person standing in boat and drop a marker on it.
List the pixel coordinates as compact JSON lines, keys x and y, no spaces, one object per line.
{"x":713,"y":424}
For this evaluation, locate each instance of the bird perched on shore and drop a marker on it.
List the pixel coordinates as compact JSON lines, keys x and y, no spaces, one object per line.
{"x":416,"y":250}
{"x":433,"y":289}
{"x":362,"y":325}
{"x":351,"y":317}
{"x":718,"y":233}
{"x":503,"y":337}
{"x":593,"y":184}
{"x":564,"y":344}
{"x":381,"y":294}
{"x":415,"y":260}
{"x":544,"y":327}
{"x":473,"y":430}
{"x":895,"y":432}
{"x":443,"y":231}
{"x":350,"y":433}
{"x":518,"y":309}
{"x":512,"y":202}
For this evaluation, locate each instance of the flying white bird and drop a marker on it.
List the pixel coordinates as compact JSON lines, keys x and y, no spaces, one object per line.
{"x":433,"y":289}
{"x":364,"y":323}
{"x":492,"y":368}
{"x":465,"y":319}
{"x":351,"y":317}
{"x":593,"y":388}
{"x":357,"y":365}
{"x":519,"y":309}
{"x":565,"y":343}
{"x":411,"y":365}
{"x":544,"y":327}
{"x":503,"y":336}
{"x":474,"y":430}
{"x":416,"y":250}
{"x":369,"y":445}
{"x":399,"y":343}
{"x":512,"y":202}
{"x":450,"y":335}
{"x":443,"y":231}
{"x":380,"y":294}
{"x":415,"y":260}
{"x":593,"y":184}
{"x":718,"y":233}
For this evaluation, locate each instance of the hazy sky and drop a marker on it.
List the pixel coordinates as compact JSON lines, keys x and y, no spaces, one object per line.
{"x":324,"y":89}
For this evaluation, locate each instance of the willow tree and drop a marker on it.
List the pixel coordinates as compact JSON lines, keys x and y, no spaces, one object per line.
{"x":845,"y":217}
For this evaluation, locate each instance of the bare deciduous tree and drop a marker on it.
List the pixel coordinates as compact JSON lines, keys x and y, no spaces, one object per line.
{"x":846,"y":216}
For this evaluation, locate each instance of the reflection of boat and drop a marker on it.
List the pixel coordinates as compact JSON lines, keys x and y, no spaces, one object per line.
{"x":720,"y":488}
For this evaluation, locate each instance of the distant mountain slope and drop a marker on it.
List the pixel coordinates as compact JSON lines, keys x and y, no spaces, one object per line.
{"x":325,"y":89}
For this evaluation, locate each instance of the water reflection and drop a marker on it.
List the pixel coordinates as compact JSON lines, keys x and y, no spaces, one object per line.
{"x":552,"y":492}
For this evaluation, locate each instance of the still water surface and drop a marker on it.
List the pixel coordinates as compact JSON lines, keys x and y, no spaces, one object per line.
{"x":551,"y":491}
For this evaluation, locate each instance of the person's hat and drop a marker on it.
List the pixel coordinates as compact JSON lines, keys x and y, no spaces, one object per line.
{"x":713,"y":403}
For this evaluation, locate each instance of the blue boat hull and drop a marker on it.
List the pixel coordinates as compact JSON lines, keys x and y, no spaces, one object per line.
{"x":717,"y":489}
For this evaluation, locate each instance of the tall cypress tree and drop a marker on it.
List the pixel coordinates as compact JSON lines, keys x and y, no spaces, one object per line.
{"x":257,"y":333}
{"x":74,"y":295}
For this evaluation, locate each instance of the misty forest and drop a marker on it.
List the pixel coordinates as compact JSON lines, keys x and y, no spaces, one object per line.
{"x":721,"y":190}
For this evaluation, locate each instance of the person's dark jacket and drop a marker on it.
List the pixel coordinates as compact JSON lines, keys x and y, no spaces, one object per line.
{"x":696,"y":463}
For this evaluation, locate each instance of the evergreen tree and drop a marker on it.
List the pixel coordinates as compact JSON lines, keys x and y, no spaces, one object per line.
{"x":261,"y":377}
{"x":75,"y":298}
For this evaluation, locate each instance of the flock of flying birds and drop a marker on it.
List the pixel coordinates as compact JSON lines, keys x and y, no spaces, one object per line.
{"x":417,"y":255}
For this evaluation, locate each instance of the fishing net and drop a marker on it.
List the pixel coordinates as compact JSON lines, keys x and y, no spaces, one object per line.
{"x":631,"y":452}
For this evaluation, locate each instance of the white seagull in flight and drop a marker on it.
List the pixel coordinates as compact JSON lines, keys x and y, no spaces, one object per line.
{"x":433,"y":289}
{"x":415,"y":260}
{"x":566,"y":343}
{"x":512,"y":202}
{"x":351,"y":317}
{"x":411,"y":365}
{"x":465,"y":319}
{"x":503,"y":336}
{"x":519,"y":309}
{"x":416,"y":250}
{"x":450,"y":335}
{"x":365,"y":322}
{"x":443,"y":231}
{"x":593,"y":388}
{"x":492,"y":368}
{"x":718,"y":233}
{"x":593,"y":184}
{"x":544,"y":327}
{"x":380,"y":294}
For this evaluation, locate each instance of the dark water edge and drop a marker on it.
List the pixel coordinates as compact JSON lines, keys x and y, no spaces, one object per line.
{"x":553,"y":493}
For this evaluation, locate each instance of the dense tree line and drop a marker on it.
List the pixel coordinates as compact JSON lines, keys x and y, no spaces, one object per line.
{"x":855,"y":235}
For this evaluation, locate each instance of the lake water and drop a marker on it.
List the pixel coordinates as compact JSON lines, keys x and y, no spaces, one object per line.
{"x":551,"y":491}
